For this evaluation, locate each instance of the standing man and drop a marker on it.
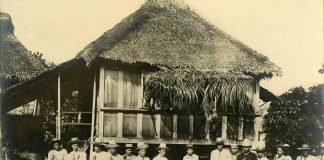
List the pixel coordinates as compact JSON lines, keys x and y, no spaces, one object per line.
{"x":162,"y":149}
{"x":305,"y":148}
{"x":234,"y":151}
{"x":99,"y":151}
{"x":76,"y":154}
{"x":129,"y":152}
{"x":141,"y":150}
{"x":220,"y":153}
{"x":246,"y":154}
{"x":190,"y":153}
{"x":261,"y":153}
{"x":58,"y":152}
{"x":112,"y":147}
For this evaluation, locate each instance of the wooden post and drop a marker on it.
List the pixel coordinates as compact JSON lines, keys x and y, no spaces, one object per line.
{"x":191,"y":126}
{"x":175,"y":126}
{"x":158,"y":126}
{"x":139,"y":125}
{"x":58,"y":118}
{"x":257,"y":120}
{"x":240,"y":133}
{"x":101,"y":100}
{"x":224,"y":127}
{"x":93,"y":116}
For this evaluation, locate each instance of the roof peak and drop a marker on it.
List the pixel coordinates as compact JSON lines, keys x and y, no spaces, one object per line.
{"x":167,"y":3}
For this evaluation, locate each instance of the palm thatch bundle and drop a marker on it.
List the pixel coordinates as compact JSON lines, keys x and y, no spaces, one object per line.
{"x":16,"y":62}
{"x":200,"y":64}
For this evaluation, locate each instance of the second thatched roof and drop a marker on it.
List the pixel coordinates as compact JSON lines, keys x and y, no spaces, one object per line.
{"x":166,"y":33}
{"x":16,"y":62}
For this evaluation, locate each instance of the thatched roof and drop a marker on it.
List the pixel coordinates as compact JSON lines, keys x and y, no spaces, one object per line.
{"x":16,"y":62}
{"x":167,"y":33}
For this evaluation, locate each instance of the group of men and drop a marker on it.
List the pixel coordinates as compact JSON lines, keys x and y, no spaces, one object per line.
{"x":100,"y":153}
{"x":108,"y":151}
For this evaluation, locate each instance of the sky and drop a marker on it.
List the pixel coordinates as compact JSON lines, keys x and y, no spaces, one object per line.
{"x":288,"y":32}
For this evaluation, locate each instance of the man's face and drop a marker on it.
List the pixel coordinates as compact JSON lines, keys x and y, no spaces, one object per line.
{"x":112,"y":151}
{"x":234,"y":150}
{"x":305,"y":153}
{"x":220,"y":147}
{"x":260,"y":154}
{"x":162,"y":152}
{"x":190,"y":151}
{"x":75,"y":147}
{"x":280,"y":151}
{"x":142,"y":152}
{"x":246,"y":149}
{"x":128,"y":151}
{"x":57,"y":146}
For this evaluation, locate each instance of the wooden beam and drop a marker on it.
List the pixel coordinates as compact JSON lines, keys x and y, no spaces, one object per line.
{"x":240,"y":132}
{"x":58,"y":124}
{"x":93,"y":115}
{"x":120,"y":124}
{"x":158,"y":126}
{"x":175,"y":126}
{"x":101,"y":100}
{"x":139,"y":125}
{"x":120,"y":92}
{"x":224,"y":127}
{"x":191,"y":126}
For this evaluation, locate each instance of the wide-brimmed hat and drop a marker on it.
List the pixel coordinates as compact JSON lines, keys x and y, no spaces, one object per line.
{"x":112,"y":144}
{"x":99,"y":143}
{"x":56,"y":140}
{"x":129,"y":146}
{"x":234,"y":145}
{"x":162,"y":146}
{"x":260,"y":150}
{"x":190,"y":146}
{"x":304,"y":147}
{"x":141,"y":145}
{"x":246,"y":143}
{"x":74,"y":140}
{"x":219,"y":140}
{"x":286,"y":145}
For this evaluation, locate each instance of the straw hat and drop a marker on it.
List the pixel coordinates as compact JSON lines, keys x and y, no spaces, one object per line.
{"x":234,"y":145}
{"x":190,"y":146}
{"x":286,"y":145}
{"x":99,"y":143}
{"x":129,"y":146}
{"x":56,"y":140}
{"x":219,"y":140}
{"x":74,"y":140}
{"x":246,"y":143}
{"x":162,"y":146}
{"x":112,"y":144}
{"x":260,"y":149}
{"x":304,"y":147}
{"x":141,"y":145}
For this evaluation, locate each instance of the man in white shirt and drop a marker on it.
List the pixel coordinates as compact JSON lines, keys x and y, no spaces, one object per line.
{"x":141,"y":150}
{"x":305,"y":148}
{"x":190,"y":153}
{"x":162,"y":149}
{"x":58,"y":152}
{"x":76,"y":154}
{"x":220,"y":153}
{"x":99,"y":153}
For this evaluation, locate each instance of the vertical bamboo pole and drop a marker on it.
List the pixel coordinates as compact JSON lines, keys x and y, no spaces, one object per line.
{"x":101,"y":100}
{"x":175,"y":126}
{"x":191,"y":126}
{"x":58,"y":124}
{"x":240,"y":133}
{"x":224,"y":127}
{"x":93,"y":115}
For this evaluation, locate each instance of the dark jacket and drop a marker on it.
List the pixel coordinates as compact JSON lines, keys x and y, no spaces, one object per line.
{"x":248,"y":156}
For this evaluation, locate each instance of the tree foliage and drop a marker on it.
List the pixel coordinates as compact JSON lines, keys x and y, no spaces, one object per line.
{"x":296,"y":118}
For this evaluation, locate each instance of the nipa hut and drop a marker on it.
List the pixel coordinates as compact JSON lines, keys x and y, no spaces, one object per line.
{"x":162,"y":74}
{"x":16,"y":62}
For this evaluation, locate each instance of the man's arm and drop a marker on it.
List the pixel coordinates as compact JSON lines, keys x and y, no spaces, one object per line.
{"x":50,"y":155}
